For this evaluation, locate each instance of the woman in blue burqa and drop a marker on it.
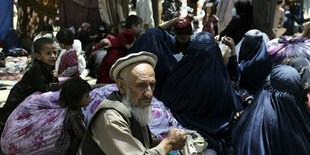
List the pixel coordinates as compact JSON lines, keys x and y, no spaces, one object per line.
{"x":200,"y":95}
{"x":160,"y":43}
{"x":254,"y":63}
{"x":277,"y":122}
{"x":303,"y":67}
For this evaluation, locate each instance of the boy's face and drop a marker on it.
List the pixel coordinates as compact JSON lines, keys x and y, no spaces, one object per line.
{"x":137,"y":29}
{"x":47,"y":55}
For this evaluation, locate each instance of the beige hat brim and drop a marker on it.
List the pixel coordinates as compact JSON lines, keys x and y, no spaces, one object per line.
{"x":123,"y":62}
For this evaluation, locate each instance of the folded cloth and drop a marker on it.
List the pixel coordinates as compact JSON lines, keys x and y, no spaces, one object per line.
{"x":195,"y":143}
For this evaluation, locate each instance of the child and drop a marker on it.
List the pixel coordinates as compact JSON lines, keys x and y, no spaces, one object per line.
{"x":73,"y":95}
{"x":68,"y":66}
{"x":119,"y":45}
{"x":210,"y":20}
{"x":40,"y":77}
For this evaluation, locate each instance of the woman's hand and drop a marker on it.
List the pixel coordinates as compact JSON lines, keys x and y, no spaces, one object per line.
{"x":230,"y":43}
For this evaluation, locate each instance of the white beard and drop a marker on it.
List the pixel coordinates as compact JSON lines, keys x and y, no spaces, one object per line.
{"x":142,"y":115}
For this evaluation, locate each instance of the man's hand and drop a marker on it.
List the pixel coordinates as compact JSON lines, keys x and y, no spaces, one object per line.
{"x":175,"y":140}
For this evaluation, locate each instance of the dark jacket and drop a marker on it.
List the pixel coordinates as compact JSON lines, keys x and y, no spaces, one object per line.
{"x":37,"y":78}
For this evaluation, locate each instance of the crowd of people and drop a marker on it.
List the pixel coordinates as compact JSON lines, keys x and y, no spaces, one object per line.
{"x":170,"y":89}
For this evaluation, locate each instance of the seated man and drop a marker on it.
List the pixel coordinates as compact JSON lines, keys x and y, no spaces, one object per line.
{"x":120,"y":123}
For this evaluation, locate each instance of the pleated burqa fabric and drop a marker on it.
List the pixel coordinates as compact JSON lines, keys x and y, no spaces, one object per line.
{"x":277,"y":121}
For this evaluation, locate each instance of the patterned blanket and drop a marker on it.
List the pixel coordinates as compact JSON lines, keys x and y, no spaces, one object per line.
{"x":14,"y":66}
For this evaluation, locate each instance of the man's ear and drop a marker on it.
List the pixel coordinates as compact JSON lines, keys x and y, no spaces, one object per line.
{"x":121,"y":85}
{"x":38,"y":56}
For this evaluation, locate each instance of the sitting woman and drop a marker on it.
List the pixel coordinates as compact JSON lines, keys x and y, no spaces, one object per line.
{"x":277,"y":121}
{"x":198,"y":88}
{"x":253,"y":66}
{"x":254,"y":61}
{"x":303,"y":67}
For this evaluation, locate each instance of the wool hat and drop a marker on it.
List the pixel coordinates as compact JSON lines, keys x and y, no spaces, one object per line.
{"x":123,"y":62}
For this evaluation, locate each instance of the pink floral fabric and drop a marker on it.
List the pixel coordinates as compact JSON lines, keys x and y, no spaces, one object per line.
{"x":163,"y":119}
{"x":34,"y":125}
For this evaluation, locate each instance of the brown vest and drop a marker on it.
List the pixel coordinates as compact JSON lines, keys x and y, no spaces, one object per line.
{"x":89,"y":146}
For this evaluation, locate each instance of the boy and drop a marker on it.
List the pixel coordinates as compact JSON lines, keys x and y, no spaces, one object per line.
{"x":40,"y":77}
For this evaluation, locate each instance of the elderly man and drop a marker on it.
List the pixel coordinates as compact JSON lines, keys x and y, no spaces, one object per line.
{"x":119,"y":124}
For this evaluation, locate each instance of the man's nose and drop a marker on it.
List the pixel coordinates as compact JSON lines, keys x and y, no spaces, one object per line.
{"x":149,"y":92}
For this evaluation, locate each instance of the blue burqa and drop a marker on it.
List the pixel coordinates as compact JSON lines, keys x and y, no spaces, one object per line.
{"x":199,"y":92}
{"x":161,"y":44}
{"x":6,"y":17}
{"x":277,"y":121}
{"x":254,"y":61}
